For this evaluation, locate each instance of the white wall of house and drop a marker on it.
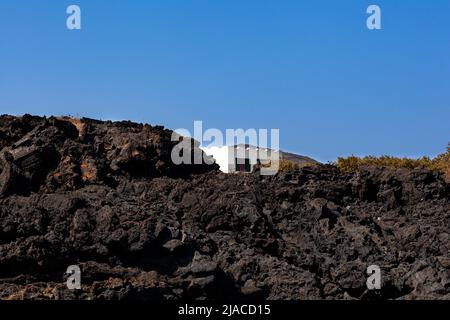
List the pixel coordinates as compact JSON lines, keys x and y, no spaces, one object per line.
{"x":220,"y":154}
{"x":226,"y":156}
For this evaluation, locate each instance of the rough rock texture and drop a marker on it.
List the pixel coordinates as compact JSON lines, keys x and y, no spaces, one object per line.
{"x":105,"y":196}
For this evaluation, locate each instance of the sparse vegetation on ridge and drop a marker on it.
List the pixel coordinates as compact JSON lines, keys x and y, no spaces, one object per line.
{"x":440,"y":163}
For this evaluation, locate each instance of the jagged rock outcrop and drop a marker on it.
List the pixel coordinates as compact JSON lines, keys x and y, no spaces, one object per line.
{"x":106,"y":196}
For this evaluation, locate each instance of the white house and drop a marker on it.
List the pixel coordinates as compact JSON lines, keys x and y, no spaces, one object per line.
{"x":241,"y":158}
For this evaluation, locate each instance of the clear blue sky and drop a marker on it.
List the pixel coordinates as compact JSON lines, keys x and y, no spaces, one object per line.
{"x":310,"y":68}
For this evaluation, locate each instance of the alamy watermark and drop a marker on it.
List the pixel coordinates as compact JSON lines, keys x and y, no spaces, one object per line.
{"x":251,"y":144}
{"x":74,"y":280}
{"x":374,"y":280}
{"x":374,"y":20}
{"x":73,"y":21}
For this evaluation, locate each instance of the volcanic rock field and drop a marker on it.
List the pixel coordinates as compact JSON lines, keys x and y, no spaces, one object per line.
{"x":105,"y":196}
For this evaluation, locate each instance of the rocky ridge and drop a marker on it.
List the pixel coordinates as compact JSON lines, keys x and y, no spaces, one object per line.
{"x":105,"y":196}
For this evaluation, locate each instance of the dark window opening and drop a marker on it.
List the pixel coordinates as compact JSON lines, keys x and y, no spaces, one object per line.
{"x":243,"y":165}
